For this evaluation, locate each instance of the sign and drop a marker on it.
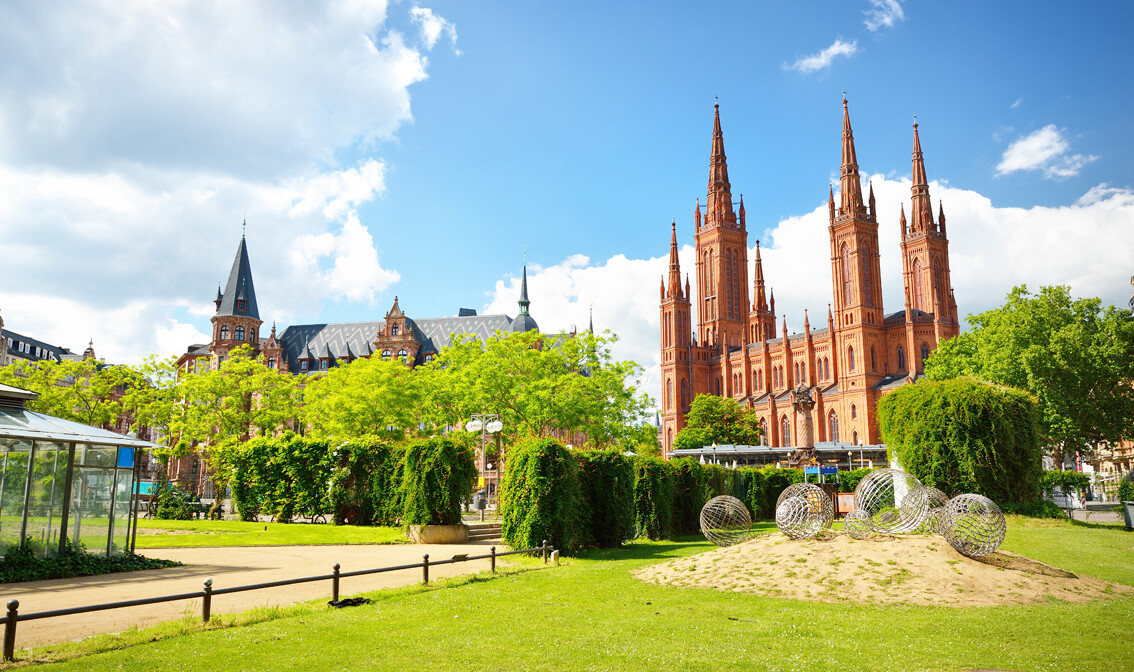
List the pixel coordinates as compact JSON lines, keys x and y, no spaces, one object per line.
{"x":828,"y":471}
{"x":810,"y":470}
{"x":844,"y":502}
{"x":480,"y":482}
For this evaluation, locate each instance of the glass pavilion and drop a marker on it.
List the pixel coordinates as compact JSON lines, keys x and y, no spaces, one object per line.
{"x":62,"y":480}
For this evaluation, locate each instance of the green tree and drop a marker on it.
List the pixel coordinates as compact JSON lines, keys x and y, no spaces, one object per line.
{"x":82,"y":390}
{"x":720,"y":420}
{"x":1074,"y":355}
{"x":364,"y":398}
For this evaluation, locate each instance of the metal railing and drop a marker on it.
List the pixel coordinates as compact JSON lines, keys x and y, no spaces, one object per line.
{"x":207,"y":592}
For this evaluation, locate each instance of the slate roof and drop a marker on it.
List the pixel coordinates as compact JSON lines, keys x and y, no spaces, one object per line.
{"x":901,"y":315}
{"x":53,"y":352}
{"x":239,"y":286}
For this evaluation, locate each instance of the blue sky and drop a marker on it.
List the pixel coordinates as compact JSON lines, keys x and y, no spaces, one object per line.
{"x":414,"y":149}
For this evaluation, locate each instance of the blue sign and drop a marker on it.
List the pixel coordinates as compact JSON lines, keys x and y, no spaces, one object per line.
{"x":125,"y":458}
{"x":811,"y":470}
{"x":828,"y":471}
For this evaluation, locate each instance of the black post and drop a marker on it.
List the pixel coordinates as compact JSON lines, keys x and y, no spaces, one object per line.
{"x":10,"y":630}
{"x":335,"y":583}
{"x":545,"y":551}
{"x":207,"y":601}
{"x":493,"y":561}
{"x":425,"y":569}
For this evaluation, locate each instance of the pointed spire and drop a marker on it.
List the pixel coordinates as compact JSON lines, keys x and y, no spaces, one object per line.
{"x":687,"y":286}
{"x":806,"y":323}
{"x":785,"y":328}
{"x":758,"y":301}
{"x":697,"y":215}
{"x":772,"y":301}
{"x":718,"y":207}
{"x":831,"y":202}
{"x":873,"y":210}
{"x":239,"y":297}
{"x":902,"y":220}
{"x":591,"y":320}
{"x":850,"y":184}
{"x":830,"y":320}
{"x":941,"y":218}
{"x":219,"y":297}
{"x":674,"y":264}
{"x":523,"y":321}
{"x":921,"y":211}
{"x":524,"y":303}
{"x":741,"y":213}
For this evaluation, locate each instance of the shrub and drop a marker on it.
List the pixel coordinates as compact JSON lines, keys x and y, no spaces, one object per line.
{"x":540,"y":496}
{"x":1066,"y":481}
{"x":764,"y":486}
{"x":1126,"y":487}
{"x":173,"y":503}
{"x":365,"y":486}
{"x":653,"y":497}
{"x":607,"y":486}
{"x":1041,"y":509}
{"x":285,"y":476}
{"x":964,"y":435}
{"x":691,"y":492}
{"x":849,"y":480}
{"x":437,"y":477}
{"x":21,"y":563}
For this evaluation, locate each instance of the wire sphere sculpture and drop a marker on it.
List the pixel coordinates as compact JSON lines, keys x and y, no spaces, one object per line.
{"x":973,"y":524}
{"x":795,"y":490}
{"x":725,"y":521}
{"x":935,"y":506}
{"x":894,"y":501}
{"x":805,"y":514}
{"x":857,"y":524}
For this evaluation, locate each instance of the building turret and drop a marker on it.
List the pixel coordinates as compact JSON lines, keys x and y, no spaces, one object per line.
{"x":237,"y":320}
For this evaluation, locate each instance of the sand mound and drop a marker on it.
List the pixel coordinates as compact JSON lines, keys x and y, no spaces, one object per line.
{"x":910,"y":569}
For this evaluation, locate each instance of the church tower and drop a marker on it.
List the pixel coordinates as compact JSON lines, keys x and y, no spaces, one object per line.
{"x":722,"y":257}
{"x":676,"y":350}
{"x":925,"y":269}
{"x":762,"y":319}
{"x":237,"y":320}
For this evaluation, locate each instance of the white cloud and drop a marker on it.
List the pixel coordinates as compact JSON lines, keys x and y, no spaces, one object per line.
{"x":823,"y":59}
{"x":431,"y":26}
{"x":1019,"y":101}
{"x":991,"y":250}
{"x":883,"y":14}
{"x":1044,"y":149}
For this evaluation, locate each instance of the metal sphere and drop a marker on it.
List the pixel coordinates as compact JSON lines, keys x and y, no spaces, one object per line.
{"x":935,"y":502}
{"x":725,"y":521}
{"x":806,"y":513}
{"x":857,"y":524}
{"x":894,"y":501}
{"x":973,"y":524}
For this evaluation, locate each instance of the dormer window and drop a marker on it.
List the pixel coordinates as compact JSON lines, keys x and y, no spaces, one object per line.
{"x":323,"y":364}
{"x":241,"y":304}
{"x":238,"y":334}
{"x":271,"y":362}
{"x":394,"y":330}
{"x":303,"y":365}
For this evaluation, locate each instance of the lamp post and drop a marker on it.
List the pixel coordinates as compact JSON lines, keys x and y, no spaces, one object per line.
{"x":485,"y":423}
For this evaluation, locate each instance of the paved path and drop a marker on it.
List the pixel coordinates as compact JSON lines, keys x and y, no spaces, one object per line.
{"x":232,"y":566}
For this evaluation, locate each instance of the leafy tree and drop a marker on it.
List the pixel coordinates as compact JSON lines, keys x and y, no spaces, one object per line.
{"x":720,"y":420}
{"x":1074,"y":355}
{"x":83,"y":390}
{"x":364,"y":398}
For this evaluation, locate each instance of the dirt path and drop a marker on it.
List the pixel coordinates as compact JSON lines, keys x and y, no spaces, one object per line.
{"x":227,"y":567}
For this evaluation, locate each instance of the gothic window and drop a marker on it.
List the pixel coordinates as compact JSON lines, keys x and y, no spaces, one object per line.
{"x":684,"y":395}
{"x":238,"y":333}
{"x":224,"y":333}
{"x":938,"y":283}
{"x":924,"y":353}
{"x":759,"y":376}
{"x":873,"y":363}
{"x":428,"y":358}
{"x":728,"y":284}
{"x":847,"y":298}
{"x":303,"y":365}
{"x":785,"y":432}
{"x":819,"y":368}
{"x":763,"y":430}
{"x":826,"y":368}
{"x":832,"y":426}
{"x":850,"y":356}
{"x":853,"y":411}
{"x":802,"y":371}
{"x":385,"y":354}
{"x":901,"y":358}
{"x":918,"y":301}
{"x":402,"y":355}
{"x":669,"y":394}
{"x":866,"y":266}
{"x":854,"y":438}
{"x":271,"y":362}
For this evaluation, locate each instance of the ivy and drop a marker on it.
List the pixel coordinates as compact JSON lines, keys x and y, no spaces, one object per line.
{"x":540,"y":497}
{"x":437,"y":479}
{"x":653,"y":497}
{"x":607,"y":484}
{"x":21,"y":563}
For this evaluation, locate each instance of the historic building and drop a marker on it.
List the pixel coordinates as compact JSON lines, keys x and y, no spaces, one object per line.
{"x":862,"y":352}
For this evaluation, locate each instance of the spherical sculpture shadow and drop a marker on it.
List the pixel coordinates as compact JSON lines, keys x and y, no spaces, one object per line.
{"x":857,"y":524}
{"x":806,"y":513}
{"x":973,"y":524}
{"x":894,"y":501}
{"x":725,"y":521}
{"x":935,"y":506}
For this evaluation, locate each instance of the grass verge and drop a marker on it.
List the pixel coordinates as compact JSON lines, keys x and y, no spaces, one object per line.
{"x":198,"y":533}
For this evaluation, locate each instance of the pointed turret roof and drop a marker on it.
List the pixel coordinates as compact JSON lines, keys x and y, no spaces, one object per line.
{"x":523,"y":321}
{"x":851,"y":183}
{"x":759,"y":302}
{"x":674,"y":288}
{"x":239,"y":287}
{"x":718,"y":207}
{"x":921,"y":212}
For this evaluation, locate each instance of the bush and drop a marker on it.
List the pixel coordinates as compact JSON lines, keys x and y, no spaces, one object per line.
{"x":285,"y":476}
{"x":763,"y":488}
{"x":1126,"y":487}
{"x":964,"y":435}
{"x":653,"y":497}
{"x":21,"y":563}
{"x":849,"y":480}
{"x":540,"y":496}
{"x":173,"y":503}
{"x":607,"y":486}
{"x":1066,"y":481}
{"x":366,"y":483}
{"x":1041,"y":509}
{"x":437,"y":478}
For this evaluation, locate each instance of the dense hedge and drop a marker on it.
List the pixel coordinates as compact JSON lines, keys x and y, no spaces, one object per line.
{"x":437,"y":479}
{"x":849,"y":480}
{"x":1126,"y":487}
{"x":20,"y":563}
{"x":540,"y":497}
{"x":963,"y":435}
{"x":653,"y":497}
{"x":283,"y":476}
{"x":607,"y":485}
{"x":365,"y":486}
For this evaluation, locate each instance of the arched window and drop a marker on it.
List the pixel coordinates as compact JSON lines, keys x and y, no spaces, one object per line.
{"x":853,"y":411}
{"x":669,"y":439}
{"x":252,"y":334}
{"x":385,"y":354}
{"x":324,"y":363}
{"x":832,"y":426}
{"x":684,"y":396}
{"x":785,"y":432}
{"x":238,"y":333}
{"x":918,"y":300}
{"x":224,"y":333}
{"x":924,"y":353}
{"x":303,"y":365}
{"x":763,"y":431}
{"x":271,"y":362}
{"x":669,"y":394}
{"x":803,"y":371}
{"x":826,"y":368}
{"x":850,"y":356}
{"x":819,"y":368}
{"x":394,"y":330}
{"x":728,"y":284}
{"x":854,"y":438}
{"x":873,"y":363}
{"x":865,"y":265}
{"x":847,"y":292}
{"x":901,"y":358}
{"x":938,"y":283}
{"x":401,"y":355}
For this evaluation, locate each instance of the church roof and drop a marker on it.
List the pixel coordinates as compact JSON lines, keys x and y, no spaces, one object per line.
{"x":239,"y":286}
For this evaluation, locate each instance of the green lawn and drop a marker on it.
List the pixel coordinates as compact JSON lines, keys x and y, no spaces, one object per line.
{"x":590,"y":614}
{"x":194,"y":533}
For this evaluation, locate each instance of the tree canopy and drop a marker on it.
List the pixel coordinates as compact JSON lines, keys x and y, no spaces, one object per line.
{"x":720,"y":420}
{"x":1074,"y":355}
{"x":82,"y":390}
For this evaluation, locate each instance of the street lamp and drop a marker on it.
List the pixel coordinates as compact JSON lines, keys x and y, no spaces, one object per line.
{"x":485,"y":423}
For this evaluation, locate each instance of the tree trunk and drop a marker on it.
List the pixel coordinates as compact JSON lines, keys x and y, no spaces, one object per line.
{"x":1057,"y":456}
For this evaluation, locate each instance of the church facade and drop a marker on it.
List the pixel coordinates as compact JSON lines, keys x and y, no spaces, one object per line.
{"x":862,"y":352}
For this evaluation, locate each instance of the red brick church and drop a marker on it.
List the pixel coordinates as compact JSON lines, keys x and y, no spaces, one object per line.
{"x":859,"y":355}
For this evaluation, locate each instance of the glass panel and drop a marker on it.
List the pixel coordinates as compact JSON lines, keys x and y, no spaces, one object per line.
{"x":90,"y":508}
{"x":121,"y":540}
{"x":95,"y":456}
{"x":45,"y":506}
{"x":14,"y":454}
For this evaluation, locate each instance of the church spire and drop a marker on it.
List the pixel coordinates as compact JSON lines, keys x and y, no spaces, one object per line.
{"x":674,"y":264}
{"x":718,"y":207}
{"x":921,"y":211}
{"x":851,"y":184}
{"x":524,"y":303}
{"x":759,"y":302}
{"x":239,"y":297}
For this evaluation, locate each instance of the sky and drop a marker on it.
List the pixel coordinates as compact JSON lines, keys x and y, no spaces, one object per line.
{"x":426,"y":150}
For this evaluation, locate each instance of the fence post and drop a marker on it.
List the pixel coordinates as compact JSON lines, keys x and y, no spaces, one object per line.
{"x":335,"y":583}
{"x":207,"y":601}
{"x":493,"y":565}
{"x":425,"y":568}
{"x":544,"y":548}
{"x":10,"y":630}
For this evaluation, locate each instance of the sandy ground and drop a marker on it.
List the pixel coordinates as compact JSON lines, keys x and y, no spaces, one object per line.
{"x":227,"y":567}
{"x":910,"y":569}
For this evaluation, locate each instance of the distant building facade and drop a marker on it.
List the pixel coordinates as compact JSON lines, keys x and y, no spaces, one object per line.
{"x":863,"y":352}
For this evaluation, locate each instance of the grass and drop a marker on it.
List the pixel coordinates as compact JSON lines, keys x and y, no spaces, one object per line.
{"x":198,"y":533}
{"x":590,"y":614}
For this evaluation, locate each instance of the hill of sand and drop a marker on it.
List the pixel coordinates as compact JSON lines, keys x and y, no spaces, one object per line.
{"x":909,"y":569}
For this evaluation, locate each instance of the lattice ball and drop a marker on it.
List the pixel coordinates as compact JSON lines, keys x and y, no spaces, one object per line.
{"x":795,"y":491}
{"x":805,"y":514}
{"x":894,"y":501}
{"x":935,"y":502}
{"x":725,"y":521}
{"x":857,"y":524}
{"x":973,"y":524}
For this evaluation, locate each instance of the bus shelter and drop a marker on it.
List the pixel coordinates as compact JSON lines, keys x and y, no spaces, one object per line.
{"x":64,"y":481}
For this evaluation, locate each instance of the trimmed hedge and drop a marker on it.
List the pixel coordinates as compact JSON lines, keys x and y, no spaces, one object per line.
{"x":366,"y":483}
{"x":964,"y":435}
{"x":437,"y":479}
{"x":654,"y":493}
{"x":607,"y":485}
{"x":540,"y":497}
